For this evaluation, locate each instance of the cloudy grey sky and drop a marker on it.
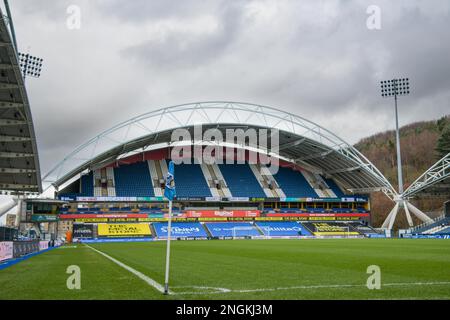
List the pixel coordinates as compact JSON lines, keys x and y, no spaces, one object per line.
{"x":314,"y":58}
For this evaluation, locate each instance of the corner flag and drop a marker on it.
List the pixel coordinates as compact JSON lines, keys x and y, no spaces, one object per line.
{"x":169,"y":191}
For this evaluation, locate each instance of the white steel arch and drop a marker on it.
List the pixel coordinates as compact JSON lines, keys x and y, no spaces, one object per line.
{"x":437,"y":173}
{"x":218,"y":112}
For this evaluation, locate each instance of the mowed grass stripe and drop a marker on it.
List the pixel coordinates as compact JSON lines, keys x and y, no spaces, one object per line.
{"x":245,"y":266}
{"x":241,"y":265}
{"x":44,"y":277}
{"x":138,"y":274}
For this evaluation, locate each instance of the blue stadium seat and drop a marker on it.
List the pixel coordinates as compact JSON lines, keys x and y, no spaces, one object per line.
{"x":241,"y":180}
{"x":294,"y":184}
{"x":87,"y":185}
{"x":133,"y":180}
{"x":190,"y":181}
{"x":333,"y":186}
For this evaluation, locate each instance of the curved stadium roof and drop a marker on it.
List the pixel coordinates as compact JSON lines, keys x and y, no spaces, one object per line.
{"x":300,"y":141}
{"x":19,"y":162}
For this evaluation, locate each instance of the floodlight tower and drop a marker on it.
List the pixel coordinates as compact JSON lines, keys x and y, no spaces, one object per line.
{"x":30,"y":65}
{"x":395,"y":88}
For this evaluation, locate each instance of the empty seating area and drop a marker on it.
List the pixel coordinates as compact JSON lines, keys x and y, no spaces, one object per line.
{"x":146,"y":179}
{"x":190,"y":181}
{"x":87,"y":185}
{"x":133,"y":180}
{"x":241,"y":180}
{"x":333,"y":186}
{"x":294,"y":184}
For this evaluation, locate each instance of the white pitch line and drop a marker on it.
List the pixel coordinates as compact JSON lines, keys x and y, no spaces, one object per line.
{"x":223,"y":290}
{"x":160,"y":288}
{"x":140,"y":275}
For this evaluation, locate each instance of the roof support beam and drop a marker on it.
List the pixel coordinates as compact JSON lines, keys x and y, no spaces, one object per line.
{"x":11,"y":122}
{"x":9,"y":104}
{"x":7,"y":86}
{"x":22,"y":187}
{"x":343,"y":170}
{"x":316,"y":155}
{"x":6,"y":66}
{"x":290,"y":144}
{"x":13,"y":139}
{"x":15,"y":155}
{"x":16,"y":170}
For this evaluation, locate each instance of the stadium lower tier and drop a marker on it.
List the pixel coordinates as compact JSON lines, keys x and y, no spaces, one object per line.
{"x":219,"y":230}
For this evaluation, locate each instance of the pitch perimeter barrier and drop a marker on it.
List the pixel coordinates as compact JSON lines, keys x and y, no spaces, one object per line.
{"x":6,"y":250}
{"x":21,"y":248}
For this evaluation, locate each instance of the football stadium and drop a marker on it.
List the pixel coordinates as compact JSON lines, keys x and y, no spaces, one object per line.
{"x":265,"y":205}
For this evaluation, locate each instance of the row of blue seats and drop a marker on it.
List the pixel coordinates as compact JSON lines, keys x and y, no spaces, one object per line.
{"x":134,"y":180}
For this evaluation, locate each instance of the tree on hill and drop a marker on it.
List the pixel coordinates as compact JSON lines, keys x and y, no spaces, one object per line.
{"x":443,"y":143}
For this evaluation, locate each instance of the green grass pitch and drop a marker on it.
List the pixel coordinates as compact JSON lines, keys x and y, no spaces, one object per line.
{"x":239,"y":269}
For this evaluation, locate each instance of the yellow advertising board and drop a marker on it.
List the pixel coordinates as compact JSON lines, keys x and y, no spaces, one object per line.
{"x":123,"y":229}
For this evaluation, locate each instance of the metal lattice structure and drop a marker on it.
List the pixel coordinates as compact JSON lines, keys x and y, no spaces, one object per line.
{"x":301,"y":141}
{"x":436,"y":178}
{"x":19,"y":162}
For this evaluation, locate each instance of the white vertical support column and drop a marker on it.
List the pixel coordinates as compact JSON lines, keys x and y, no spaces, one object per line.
{"x":388,"y":218}
{"x":408,"y":215}
{"x":391,"y":223}
{"x":419,"y":214}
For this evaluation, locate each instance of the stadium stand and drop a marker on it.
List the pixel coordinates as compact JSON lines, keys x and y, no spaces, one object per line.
{"x":133,"y":180}
{"x":232,"y":229}
{"x":294,"y":184}
{"x":363,"y":229}
{"x":87,"y":185}
{"x":180,"y":230}
{"x":333,"y":186}
{"x":241,"y":181}
{"x":190,"y":181}
{"x":284,"y":228}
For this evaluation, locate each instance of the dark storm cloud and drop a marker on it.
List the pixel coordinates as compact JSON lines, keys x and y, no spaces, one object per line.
{"x":187,"y":49}
{"x":313,"y":58}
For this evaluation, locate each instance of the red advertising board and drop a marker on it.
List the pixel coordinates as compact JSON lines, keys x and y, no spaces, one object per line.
{"x":6,"y":250}
{"x":221,"y":213}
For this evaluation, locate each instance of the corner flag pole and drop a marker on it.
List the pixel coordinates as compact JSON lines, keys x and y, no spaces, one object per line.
{"x":169,"y":193}
{"x":169,"y":231}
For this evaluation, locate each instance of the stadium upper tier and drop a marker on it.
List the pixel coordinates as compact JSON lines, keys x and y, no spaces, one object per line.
{"x":19,"y":163}
{"x":289,"y":137}
{"x":146,"y":179}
